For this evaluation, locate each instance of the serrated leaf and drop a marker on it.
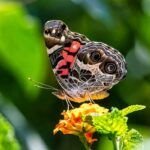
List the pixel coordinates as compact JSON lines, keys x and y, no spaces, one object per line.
{"x":7,"y":138}
{"x":112,"y":123}
{"x":132,"y":140}
{"x":131,"y":109}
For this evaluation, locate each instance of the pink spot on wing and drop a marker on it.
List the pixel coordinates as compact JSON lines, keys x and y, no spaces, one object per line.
{"x":61,"y":63}
{"x":67,"y":48}
{"x":70,"y":58}
{"x":64,"y":71}
{"x":64,"y":54}
{"x":74,"y":47}
{"x":68,"y":54}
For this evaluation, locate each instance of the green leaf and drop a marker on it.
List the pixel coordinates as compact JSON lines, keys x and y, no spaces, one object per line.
{"x":132,"y":140}
{"x":131,"y":109}
{"x":113,"y":123}
{"x":21,"y":45}
{"x":7,"y":138}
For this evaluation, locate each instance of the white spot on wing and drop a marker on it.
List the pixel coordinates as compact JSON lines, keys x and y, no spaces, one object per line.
{"x":62,"y":39}
{"x":53,"y":31}
{"x":54,"y":48}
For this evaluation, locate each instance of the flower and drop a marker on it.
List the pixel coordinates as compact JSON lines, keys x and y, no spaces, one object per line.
{"x":74,"y":122}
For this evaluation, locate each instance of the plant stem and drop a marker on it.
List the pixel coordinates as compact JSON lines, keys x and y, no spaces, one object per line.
{"x":117,"y":143}
{"x":84,"y":142}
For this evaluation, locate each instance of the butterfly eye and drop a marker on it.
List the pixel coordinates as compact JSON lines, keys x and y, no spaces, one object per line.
{"x":46,"y":31}
{"x":110,"y":67}
{"x":95,"y":56}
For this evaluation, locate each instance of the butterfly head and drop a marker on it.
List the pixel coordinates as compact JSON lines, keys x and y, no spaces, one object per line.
{"x":55,"y":32}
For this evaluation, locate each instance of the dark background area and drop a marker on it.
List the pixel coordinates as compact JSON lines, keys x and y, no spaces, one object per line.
{"x":34,"y":112}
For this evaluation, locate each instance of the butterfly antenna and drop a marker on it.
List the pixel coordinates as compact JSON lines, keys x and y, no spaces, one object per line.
{"x":42,"y":85}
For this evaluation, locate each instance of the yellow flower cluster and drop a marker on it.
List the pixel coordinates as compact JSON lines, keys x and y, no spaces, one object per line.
{"x":73,"y":122}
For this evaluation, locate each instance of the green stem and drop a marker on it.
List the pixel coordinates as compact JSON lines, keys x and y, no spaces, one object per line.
{"x":84,"y":142}
{"x":117,"y":143}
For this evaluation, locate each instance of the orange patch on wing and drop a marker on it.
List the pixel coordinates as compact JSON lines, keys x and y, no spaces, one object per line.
{"x":83,"y":98}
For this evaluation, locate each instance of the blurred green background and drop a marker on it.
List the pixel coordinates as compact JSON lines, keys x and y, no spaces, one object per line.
{"x":34,"y":112}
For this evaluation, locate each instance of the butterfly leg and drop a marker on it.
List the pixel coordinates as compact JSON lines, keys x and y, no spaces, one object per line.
{"x":62,"y":95}
{"x":69,"y":104}
{"x":90,"y":98}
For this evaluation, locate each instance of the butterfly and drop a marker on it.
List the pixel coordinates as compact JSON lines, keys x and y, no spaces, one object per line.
{"x":84,"y":69}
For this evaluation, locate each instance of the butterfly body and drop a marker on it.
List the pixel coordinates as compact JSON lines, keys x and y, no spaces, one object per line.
{"x":84,"y":69}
